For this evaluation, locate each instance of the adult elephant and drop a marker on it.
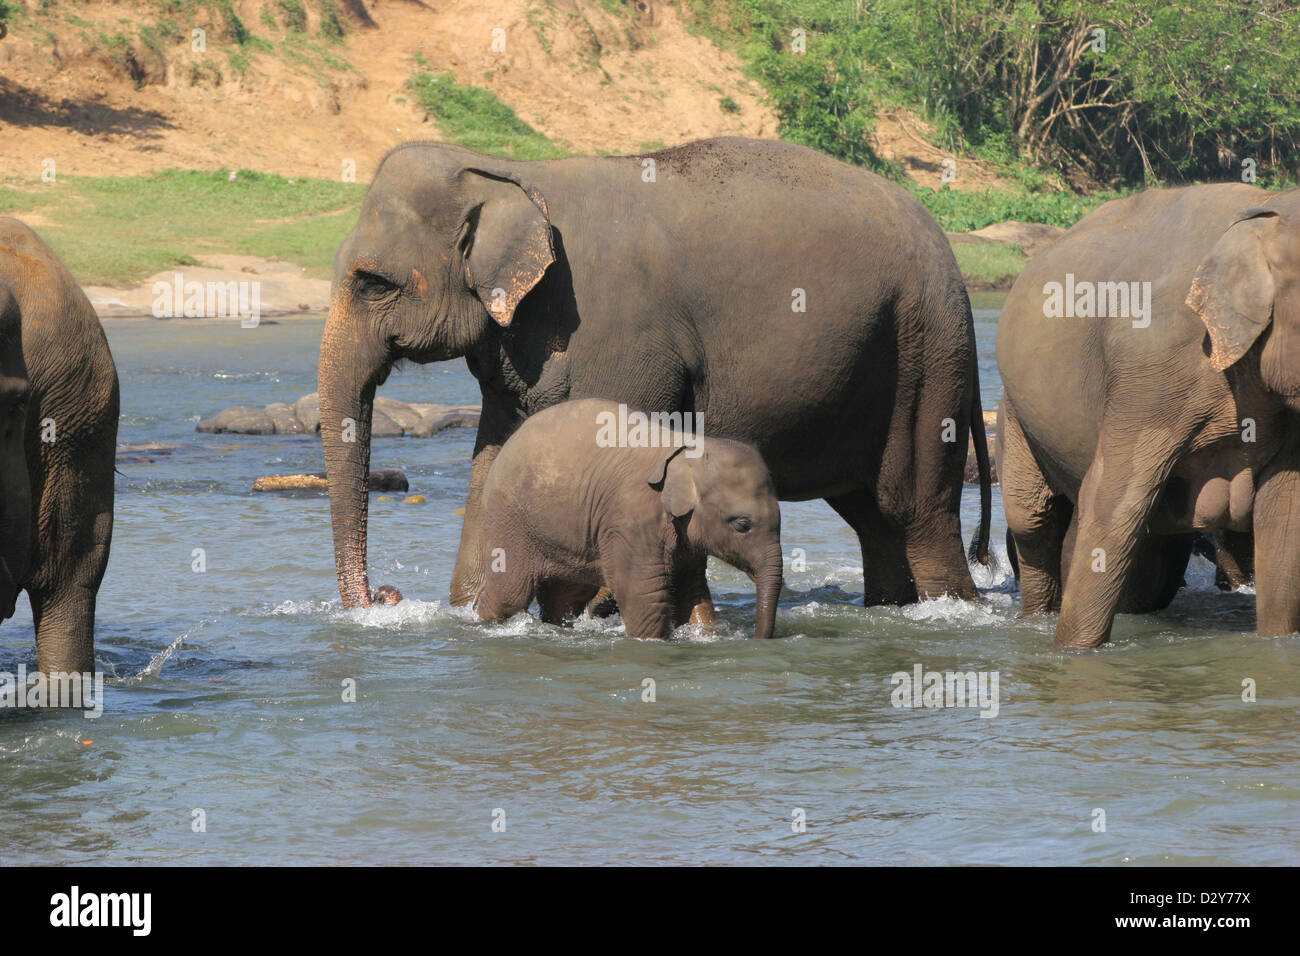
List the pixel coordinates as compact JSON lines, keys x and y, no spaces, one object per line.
{"x":799,"y":304}
{"x":59,"y":411}
{"x":1164,"y":406}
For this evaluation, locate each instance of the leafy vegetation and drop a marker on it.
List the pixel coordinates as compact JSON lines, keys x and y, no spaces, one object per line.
{"x":974,"y":209}
{"x":473,"y":117}
{"x":990,"y":265}
{"x":1117,"y":93}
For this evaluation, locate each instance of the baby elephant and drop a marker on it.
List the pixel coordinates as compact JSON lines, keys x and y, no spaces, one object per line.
{"x":586,"y":494}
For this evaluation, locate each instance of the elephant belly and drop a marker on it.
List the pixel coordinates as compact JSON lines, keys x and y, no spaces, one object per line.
{"x":1217,"y":502}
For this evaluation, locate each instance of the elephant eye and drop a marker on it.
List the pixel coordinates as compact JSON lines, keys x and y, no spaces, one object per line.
{"x":373,"y":286}
{"x":741,"y":524}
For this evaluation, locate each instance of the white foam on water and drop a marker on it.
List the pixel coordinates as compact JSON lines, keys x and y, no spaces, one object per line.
{"x":407,"y":612}
{"x":997,"y":573}
{"x":304,"y":608}
{"x":961,"y":613}
{"x":714,"y":633}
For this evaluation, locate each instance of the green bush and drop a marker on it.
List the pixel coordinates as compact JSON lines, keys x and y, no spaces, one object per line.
{"x":968,"y":210}
{"x":473,"y":117}
{"x":1181,"y":91}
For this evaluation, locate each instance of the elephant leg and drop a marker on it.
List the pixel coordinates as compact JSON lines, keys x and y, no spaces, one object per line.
{"x":1038,"y":520}
{"x":1277,"y":554}
{"x":1116,"y":498}
{"x":936,"y":557}
{"x":693,"y":604}
{"x":886,"y":575}
{"x":1234,"y":559}
{"x":63,"y":591}
{"x":1159,"y":564}
{"x":468,"y":573}
{"x":1012,"y":557}
{"x":562,"y":601}
{"x":642,"y":586}
{"x":72,"y":521}
{"x":926,"y":499}
{"x":504,"y":594}
{"x":603,"y":603}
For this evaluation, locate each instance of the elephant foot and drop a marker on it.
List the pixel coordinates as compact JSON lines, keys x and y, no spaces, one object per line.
{"x":386,"y":594}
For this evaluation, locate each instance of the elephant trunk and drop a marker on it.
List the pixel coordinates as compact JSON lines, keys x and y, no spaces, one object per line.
{"x":347,"y":395}
{"x":768,"y":578}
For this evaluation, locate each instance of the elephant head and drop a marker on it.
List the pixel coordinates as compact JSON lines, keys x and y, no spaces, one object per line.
{"x":444,"y":248}
{"x":1248,"y":285}
{"x":724,"y":503}
{"x":15,"y":487}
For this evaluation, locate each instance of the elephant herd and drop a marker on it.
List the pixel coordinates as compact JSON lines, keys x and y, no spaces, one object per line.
{"x":783,"y":326}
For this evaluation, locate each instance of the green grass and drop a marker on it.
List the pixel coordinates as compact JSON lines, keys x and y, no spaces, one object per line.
{"x":967,"y":210}
{"x":117,"y":230}
{"x":988,"y":262}
{"x":473,"y":117}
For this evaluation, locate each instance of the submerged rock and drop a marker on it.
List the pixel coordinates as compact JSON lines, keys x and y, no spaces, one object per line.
{"x":382,"y":426}
{"x":142,"y":454}
{"x":307,"y":409}
{"x":391,"y":418}
{"x":406,"y":417}
{"x":437,"y":418}
{"x":286,"y":422}
{"x":240,"y":420}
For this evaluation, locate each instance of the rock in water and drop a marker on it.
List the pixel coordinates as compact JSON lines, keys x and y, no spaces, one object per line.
{"x":240,"y":420}
{"x":307,"y":410}
{"x":386,"y":479}
{"x":290,"y":482}
{"x":390,"y":419}
{"x":436,"y":418}
{"x":382,"y":426}
{"x":400,"y":412}
{"x":286,"y":422}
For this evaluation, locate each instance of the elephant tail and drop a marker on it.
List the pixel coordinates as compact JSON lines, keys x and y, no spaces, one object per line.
{"x":979,"y":545}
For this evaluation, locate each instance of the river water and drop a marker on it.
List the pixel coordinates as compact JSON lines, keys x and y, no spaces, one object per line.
{"x":524,"y":743}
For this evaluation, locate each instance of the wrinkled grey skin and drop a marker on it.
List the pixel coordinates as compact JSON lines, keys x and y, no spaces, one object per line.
{"x":1124,"y":441}
{"x":577,"y":278}
{"x":56,"y":497}
{"x":565,"y":515}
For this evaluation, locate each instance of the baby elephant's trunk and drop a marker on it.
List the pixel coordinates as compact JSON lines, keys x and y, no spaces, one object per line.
{"x":768,"y":578}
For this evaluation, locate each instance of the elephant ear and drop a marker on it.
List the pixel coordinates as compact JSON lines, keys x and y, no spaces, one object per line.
{"x":678,"y":492}
{"x":507,"y":244}
{"x":1232,"y":290}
